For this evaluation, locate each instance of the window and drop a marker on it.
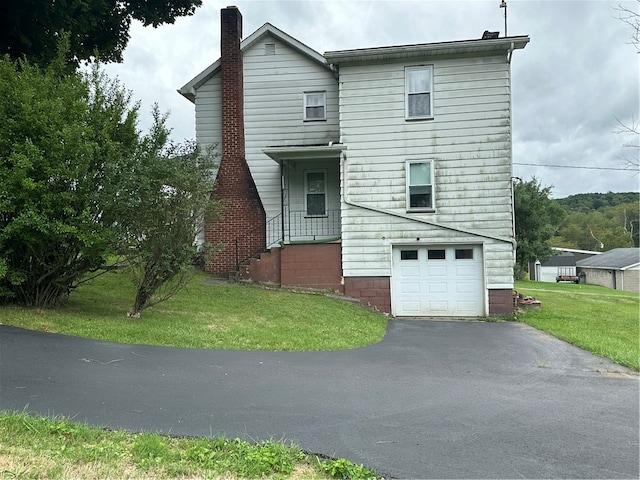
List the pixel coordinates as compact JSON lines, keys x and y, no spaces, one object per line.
{"x":418,"y":88}
{"x":315,"y":186}
{"x":315,"y":106}
{"x":420,"y":186}
{"x":464,"y":253}
{"x":436,"y":254}
{"x":408,"y":254}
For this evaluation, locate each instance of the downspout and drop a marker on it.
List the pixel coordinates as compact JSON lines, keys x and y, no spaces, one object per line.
{"x":513,"y":206}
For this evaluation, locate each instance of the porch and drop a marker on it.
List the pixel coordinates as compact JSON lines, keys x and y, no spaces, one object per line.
{"x":302,"y":244}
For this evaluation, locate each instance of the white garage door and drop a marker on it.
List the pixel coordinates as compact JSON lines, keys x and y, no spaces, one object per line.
{"x":437,"y":281}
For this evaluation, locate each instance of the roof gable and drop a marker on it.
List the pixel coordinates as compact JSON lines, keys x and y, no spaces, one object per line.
{"x":188,"y":90}
{"x":616,"y":259}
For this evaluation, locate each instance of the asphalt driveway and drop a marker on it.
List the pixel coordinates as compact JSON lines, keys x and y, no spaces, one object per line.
{"x":432,"y":400}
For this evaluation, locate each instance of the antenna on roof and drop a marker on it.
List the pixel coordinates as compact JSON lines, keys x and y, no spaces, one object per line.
{"x":503,"y":4}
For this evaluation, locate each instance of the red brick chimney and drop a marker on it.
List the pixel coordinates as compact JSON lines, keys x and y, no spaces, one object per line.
{"x":239,"y":230}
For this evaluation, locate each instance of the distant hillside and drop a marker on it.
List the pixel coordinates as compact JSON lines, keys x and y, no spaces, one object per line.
{"x":588,"y":202}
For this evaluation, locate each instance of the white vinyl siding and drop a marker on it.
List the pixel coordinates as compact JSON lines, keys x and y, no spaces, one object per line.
{"x":469,"y":143}
{"x":273,"y":108}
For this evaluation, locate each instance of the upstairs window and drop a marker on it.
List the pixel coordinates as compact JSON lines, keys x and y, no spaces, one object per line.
{"x":315,"y":106}
{"x":418,"y":89}
{"x":315,"y":186}
{"x":419,"y":186}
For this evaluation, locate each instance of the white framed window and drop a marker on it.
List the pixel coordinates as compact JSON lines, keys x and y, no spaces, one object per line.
{"x":418,"y":87}
{"x":315,"y":192}
{"x":419,"y":178}
{"x":315,"y":106}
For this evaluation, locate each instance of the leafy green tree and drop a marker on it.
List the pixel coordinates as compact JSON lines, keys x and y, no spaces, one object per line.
{"x":537,"y":220}
{"x":165,"y":196}
{"x":63,"y":141}
{"x":600,"y":230}
{"x":29,"y":28}
{"x":587,"y":202}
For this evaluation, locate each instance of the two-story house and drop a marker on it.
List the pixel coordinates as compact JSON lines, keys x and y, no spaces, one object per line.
{"x":384,"y":173}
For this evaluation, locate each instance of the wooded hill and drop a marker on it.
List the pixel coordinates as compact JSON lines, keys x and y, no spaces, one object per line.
{"x":586,"y":202}
{"x":599,"y":221}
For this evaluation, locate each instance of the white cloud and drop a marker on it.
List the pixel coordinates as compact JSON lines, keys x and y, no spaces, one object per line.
{"x":578,"y":74}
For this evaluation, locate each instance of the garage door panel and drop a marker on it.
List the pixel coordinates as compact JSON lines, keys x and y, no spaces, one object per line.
{"x":447,"y":284}
{"x":466,"y":270}
{"x":466,"y":308}
{"x":410,"y":271}
{"x":440,"y":271}
{"x":410,"y":287}
{"x":437,"y":288}
{"x":466,"y":287}
{"x":438,"y":308}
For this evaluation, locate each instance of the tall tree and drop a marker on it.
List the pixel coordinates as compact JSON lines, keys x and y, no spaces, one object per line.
{"x":600,"y":230}
{"x":29,"y":28}
{"x":631,"y":130}
{"x":165,"y":197}
{"x":64,"y":140}
{"x":537,"y":220}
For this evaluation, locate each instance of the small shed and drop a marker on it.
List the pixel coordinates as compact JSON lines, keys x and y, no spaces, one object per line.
{"x":563,"y":261}
{"x":618,"y":269}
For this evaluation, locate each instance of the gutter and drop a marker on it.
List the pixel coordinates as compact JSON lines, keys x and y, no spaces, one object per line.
{"x":510,"y":53}
{"x":407,"y":217}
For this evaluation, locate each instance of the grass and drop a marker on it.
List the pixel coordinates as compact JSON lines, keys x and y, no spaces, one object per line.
{"x":207,"y":315}
{"x":38,"y":447}
{"x":597,"y":319}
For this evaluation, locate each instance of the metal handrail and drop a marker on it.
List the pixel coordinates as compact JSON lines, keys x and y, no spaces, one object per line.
{"x":298,"y":225}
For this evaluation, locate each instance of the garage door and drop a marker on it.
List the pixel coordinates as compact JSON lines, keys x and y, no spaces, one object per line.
{"x":438,"y":281}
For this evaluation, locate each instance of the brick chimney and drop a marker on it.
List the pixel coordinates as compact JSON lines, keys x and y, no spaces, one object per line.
{"x":239,"y":230}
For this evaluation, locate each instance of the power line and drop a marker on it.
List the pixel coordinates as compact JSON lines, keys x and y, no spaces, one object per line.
{"x":573,"y":166}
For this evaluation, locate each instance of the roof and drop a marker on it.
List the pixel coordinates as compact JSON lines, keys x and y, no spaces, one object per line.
{"x":563,"y":260}
{"x":188,"y":90}
{"x":504,"y":45}
{"x":304,"y":152}
{"x":478,"y":47}
{"x":575,"y":250}
{"x":616,"y":259}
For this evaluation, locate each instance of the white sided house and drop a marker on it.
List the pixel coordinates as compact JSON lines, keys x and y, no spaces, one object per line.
{"x":383,"y":173}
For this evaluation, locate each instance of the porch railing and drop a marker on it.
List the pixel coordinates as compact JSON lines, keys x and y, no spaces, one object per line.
{"x":312,"y":227}
{"x":298,"y":226}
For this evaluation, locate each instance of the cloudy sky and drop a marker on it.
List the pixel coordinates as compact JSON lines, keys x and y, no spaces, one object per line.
{"x":575,"y":79}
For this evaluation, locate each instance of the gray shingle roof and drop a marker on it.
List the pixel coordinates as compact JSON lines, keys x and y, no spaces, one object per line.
{"x":615,"y":259}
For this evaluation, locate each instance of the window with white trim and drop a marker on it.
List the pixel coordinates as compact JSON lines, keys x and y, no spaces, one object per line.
{"x":418,"y":87}
{"x":315,"y":192}
{"x":315,"y":106}
{"x":419,"y":178}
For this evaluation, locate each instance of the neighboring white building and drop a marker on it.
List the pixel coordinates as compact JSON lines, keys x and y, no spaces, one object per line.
{"x":562,"y":263}
{"x":397,"y":158}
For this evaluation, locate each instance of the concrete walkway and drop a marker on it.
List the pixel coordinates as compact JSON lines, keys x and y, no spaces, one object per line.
{"x":432,"y":400}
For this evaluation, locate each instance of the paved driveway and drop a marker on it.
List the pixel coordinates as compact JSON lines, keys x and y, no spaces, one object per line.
{"x":432,"y":400}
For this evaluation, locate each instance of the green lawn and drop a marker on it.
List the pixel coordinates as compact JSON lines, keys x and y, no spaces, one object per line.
{"x":208,"y":315}
{"x":205,"y":315}
{"x":597,"y":319}
{"x":240,"y":316}
{"x":36,"y":447}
